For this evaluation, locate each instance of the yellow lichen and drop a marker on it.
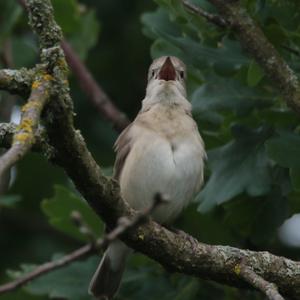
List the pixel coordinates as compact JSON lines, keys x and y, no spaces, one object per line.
{"x":31,"y":105}
{"x":35,"y":84}
{"x":21,"y":138}
{"x":26,"y":125}
{"x":237,"y":269}
{"x":47,"y":77}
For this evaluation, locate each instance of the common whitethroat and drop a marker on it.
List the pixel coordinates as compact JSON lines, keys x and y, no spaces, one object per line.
{"x":161,"y":151}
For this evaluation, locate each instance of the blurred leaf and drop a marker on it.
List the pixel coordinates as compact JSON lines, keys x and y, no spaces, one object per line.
{"x":9,"y":200}
{"x":159,"y":25}
{"x":24,"y":51}
{"x":239,"y":166}
{"x":10,"y":11}
{"x":284,"y":149}
{"x":227,"y":95}
{"x":88,"y":32}
{"x":67,"y":15}
{"x":271,"y":215}
{"x":70,"y":282}
{"x":276,"y":34}
{"x":59,"y":208}
{"x":255,"y":74}
{"x":189,"y":291}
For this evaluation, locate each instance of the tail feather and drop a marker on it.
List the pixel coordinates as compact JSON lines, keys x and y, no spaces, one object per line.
{"x":106,"y":280}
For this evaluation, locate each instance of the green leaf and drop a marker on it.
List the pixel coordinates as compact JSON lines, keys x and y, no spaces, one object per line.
{"x":70,"y":282}
{"x":9,"y":200}
{"x":284,"y":149}
{"x":255,"y":74}
{"x":237,"y":167}
{"x":67,"y":15}
{"x":159,"y":25}
{"x":272,"y":214}
{"x":58,"y":209}
{"x":88,"y":32}
{"x":227,"y":95}
{"x":10,"y":13}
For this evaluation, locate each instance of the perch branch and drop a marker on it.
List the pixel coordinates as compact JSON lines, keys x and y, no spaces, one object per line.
{"x":124,"y":224}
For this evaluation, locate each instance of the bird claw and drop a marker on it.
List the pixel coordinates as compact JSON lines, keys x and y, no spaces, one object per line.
{"x":190,"y":239}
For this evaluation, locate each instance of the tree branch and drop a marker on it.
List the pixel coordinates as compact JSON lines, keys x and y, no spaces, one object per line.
{"x":255,"y":42}
{"x":95,"y":93}
{"x":215,"y":19}
{"x":269,"y":289}
{"x":124,"y":224}
{"x":24,"y":137}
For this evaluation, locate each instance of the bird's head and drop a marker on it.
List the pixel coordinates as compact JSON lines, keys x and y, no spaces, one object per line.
{"x":166,"y":74}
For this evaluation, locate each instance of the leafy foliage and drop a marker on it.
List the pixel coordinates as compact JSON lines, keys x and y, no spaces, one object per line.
{"x":59,"y":210}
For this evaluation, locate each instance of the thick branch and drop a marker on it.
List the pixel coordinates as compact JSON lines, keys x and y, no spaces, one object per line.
{"x":254,"y":41}
{"x":95,"y":93}
{"x":24,"y":137}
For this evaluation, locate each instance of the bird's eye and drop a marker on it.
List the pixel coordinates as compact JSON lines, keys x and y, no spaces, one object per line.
{"x":182,"y":74}
{"x":152,"y":74}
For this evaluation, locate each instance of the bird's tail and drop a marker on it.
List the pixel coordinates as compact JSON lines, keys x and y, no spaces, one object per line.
{"x":106,"y":280}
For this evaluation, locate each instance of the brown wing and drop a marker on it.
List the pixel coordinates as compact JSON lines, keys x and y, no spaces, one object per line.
{"x":122,"y":148}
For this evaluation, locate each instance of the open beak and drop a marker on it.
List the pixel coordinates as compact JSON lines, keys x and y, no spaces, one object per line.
{"x":167,"y":71}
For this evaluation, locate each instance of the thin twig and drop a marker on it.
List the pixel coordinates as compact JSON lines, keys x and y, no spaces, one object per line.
{"x":268,"y":288}
{"x":215,"y":19}
{"x":48,"y":267}
{"x":291,"y":50}
{"x":94,"y":91}
{"x":124,"y":225}
{"x":24,"y":138}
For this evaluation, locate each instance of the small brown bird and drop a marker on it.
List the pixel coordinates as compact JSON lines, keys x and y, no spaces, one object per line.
{"x":161,"y":151}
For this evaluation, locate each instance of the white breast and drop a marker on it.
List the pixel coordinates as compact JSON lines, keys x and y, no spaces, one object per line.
{"x":172,"y":166}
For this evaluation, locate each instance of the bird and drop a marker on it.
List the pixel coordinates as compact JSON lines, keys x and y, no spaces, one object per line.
{"x":161,"y":151}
